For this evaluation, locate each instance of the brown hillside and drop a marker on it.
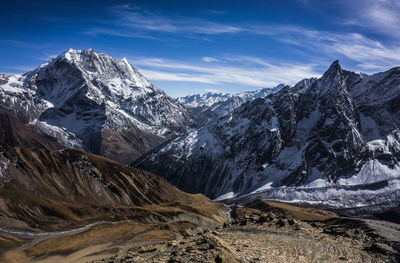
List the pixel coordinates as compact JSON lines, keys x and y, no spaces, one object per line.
{"x":54,"y":190}
{"x":15,"y":132}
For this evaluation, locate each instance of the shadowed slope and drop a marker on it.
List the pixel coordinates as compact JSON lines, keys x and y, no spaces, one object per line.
{"x":15,"y":132}
{"x":67,"y":188}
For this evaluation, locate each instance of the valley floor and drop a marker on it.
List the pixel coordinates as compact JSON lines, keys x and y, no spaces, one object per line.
{"x":260,"y":232}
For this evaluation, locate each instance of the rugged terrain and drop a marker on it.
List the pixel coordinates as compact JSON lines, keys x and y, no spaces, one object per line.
{"x":210,"y":106}
{"x":276,"y":232}
{"x":71,"y":206}
{"x":332,"y":141}
{"x":90,"y":100}
{"x":48,"y":197}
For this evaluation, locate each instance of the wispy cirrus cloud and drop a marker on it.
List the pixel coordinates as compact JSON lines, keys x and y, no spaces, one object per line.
{"x":213,"y":90}
{"x":370,"y":55}
{"x":20,"y":69}
{"x":120,"y":32}
{"x":209,"y":59}
{"x":177,"y":76}
{"x":133,"y":21}
{"x":249,"y":71}
{"x":24,"y":44}
{"x":382,"y":16}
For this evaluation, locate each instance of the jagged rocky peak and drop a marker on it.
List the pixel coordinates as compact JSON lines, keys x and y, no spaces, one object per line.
{"x":333,"y":75}
{"x":335,"y":66}
{"x":327,"y":140}
{"x":93,"y":101}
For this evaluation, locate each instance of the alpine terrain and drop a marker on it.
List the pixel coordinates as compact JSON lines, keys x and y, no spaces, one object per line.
{"x":333,"y":141}
{"x":210,"y":106}
{"x":323,"y":141}
{"x":92,"y":101}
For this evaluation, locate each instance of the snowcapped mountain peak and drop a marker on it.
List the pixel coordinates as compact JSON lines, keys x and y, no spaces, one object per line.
{"x":80,"y":95}
{"x":76,"y":55}
{"x":125,"y":61}
{"x":213,"y":105}
{"x":99,"y":75}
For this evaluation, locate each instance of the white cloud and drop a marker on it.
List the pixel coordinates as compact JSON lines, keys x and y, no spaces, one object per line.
{"x":371,"y":55}
{"x":213,"y":90}
{"x":368,"y":54}
{"x":117,"y":32}
{"x":209,"y":59}
{"x":133,"y":21}
{"x":175,"y":76}
{"x":21,"y":68}
{"x":381,"y":16}
{"x":249,"y":71}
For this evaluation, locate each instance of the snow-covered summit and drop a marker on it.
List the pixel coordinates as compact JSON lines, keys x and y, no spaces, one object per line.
{"x":91,"y":100}
{"x":215,"y":105}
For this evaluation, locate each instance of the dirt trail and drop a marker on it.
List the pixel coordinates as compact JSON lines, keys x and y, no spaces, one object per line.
{"x":27,"y":234}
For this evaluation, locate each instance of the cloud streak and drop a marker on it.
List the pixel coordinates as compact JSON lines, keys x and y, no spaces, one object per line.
{"x":370,"y":55}
{"x":209,"y":59}
{"x":247,"y":71}
{"x":135,"y":18}
{"x":381,"y":16}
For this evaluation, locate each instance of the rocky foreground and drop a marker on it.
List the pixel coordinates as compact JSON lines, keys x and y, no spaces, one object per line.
{"x":274,"y":232}
{"x":260,"y":232}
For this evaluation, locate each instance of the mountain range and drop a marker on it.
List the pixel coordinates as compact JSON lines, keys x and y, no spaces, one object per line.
{"x":91,"y":101}
{"x":211,"y":105}
{"x":69,"y":128}
{"x":313,"y":142}
{"x":333,"y":141}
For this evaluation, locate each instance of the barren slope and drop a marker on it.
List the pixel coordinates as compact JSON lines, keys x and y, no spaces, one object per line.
{"x":278,"y":233}
{"x":55,"y":189}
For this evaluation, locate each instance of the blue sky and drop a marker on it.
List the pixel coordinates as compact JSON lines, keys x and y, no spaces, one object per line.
{"x":188,"y":47}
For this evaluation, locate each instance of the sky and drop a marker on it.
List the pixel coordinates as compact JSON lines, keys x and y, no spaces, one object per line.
{"x":191,"y":47}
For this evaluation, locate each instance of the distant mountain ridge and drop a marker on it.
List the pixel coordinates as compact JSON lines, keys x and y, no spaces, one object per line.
{"x":92,"y":101}
{"x":333,"y":140}
{"x":211,"y":105}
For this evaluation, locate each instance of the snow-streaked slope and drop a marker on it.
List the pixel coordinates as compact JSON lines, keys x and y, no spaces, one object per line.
{"x":333,"y":140}
{"x":93,"y":101}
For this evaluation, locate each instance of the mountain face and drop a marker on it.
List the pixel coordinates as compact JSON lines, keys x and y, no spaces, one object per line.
{"x":94,"y":102}
{"x":210,"y":105}
{"x":49,"y":190}
{"x":333,"y":140}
